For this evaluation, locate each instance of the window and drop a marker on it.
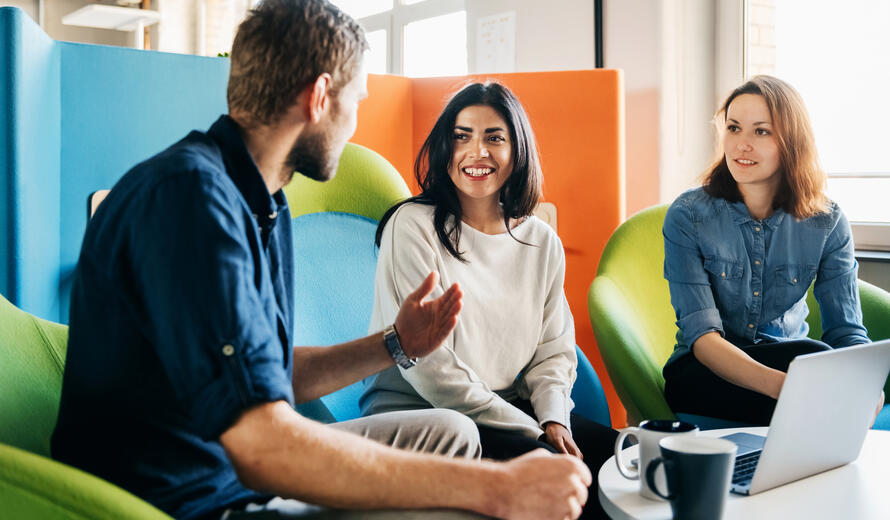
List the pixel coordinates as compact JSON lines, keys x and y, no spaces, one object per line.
{"x":416,"y":38}
{"x":436,"y":46}
{"x":835,"y":55}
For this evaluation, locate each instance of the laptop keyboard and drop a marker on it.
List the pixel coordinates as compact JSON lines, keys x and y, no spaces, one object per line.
{"x":744,"y":467}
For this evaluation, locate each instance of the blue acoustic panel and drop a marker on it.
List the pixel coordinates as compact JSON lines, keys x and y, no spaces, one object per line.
{"x":29,"y":164}
{"x":334,"y":263}
{"x":120,"y":107}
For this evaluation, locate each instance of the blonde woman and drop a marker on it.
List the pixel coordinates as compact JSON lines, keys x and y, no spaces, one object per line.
{"x":741,"y":252}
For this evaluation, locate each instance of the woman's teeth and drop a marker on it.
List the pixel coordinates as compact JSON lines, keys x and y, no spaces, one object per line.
{"x":478,"y":172}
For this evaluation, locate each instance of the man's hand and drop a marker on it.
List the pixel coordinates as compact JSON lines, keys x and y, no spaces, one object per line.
{"x":543,"y":486}
{"x":423,"y":326}
{"x":560,"y":438}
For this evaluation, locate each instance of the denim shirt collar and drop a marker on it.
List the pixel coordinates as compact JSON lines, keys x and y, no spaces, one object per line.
{"x":740,"y":214}
{"x":244,"y":172}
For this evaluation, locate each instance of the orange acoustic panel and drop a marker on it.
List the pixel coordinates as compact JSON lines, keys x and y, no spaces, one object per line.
{"x":578,"y":119}
{"x":385,"y":122}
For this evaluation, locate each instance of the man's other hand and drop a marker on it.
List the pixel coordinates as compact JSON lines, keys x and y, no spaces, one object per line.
{"x":423,"y":325}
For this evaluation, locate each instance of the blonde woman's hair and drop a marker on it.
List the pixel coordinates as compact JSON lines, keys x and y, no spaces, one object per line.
{"x":802,"y":187}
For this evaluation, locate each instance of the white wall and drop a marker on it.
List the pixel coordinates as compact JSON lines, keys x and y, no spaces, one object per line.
{"x":550,"y":35}
{"x":30,"y":7}
{"x":632,"y":42}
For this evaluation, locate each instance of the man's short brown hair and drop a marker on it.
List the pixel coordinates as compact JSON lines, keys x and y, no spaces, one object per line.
{"x":282,"y":47}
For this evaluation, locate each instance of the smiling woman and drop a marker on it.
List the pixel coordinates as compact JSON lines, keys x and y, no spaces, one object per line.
{"x":510,"y":363}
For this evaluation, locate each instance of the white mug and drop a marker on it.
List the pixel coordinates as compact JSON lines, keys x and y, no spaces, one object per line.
{"x":648,"y":434}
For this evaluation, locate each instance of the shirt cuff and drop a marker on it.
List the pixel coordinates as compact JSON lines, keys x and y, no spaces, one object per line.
{"x":696,"y":324}
{"x":553,"y":405}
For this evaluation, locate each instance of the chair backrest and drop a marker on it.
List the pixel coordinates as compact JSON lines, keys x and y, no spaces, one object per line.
{"x":631,"y":314}
{"x":32,"y":357}
{"x":335,"y":258}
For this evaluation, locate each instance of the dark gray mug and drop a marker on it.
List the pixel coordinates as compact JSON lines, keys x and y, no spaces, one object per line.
{"x":698,"y":471}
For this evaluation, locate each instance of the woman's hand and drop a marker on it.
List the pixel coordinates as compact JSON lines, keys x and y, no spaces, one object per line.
{"x":560,"y":438}
{"x":423,"y":325}
{"x":880,"y":407}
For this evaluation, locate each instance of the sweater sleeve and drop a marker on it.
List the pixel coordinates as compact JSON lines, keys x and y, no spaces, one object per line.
{"x":407,"y":255}
{"x":550,"y":374}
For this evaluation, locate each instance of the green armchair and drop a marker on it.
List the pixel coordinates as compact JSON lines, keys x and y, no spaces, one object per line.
{"x":634,"y":323}
{"x":33,"y":486}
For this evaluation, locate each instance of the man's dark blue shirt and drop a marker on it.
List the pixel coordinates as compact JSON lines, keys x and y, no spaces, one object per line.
{"x":181,"y":316}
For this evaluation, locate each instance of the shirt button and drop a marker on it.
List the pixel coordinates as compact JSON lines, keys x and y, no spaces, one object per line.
{"x":228,"y":350}
{"x":723,"y":275}
{"x":756,"y":293}
{"x":795,"y":280}
{"x":273,"y":215}
{"x":756,"y":262}
{"x":750,"y":325}
{"x":757,"y":229}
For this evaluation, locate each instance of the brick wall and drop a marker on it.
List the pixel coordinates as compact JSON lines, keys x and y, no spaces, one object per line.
{"x":761,"y":55}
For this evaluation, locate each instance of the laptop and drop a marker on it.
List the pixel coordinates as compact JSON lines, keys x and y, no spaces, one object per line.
{"x":825,"y":410}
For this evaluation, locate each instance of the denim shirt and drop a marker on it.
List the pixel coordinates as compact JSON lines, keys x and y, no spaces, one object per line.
{"x":748,"y":279}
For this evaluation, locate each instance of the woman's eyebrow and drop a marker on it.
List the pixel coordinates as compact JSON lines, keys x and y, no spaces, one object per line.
{"x":464,"y":128}
{"x":493,"y":129}
{"x":756,"y":123}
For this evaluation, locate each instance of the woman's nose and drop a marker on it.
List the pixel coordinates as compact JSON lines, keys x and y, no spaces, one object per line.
{"x":479,"y":150}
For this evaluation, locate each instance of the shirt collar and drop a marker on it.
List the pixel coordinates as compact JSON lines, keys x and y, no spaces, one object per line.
{"x":740,"y":214}
{"x":243,"y":171}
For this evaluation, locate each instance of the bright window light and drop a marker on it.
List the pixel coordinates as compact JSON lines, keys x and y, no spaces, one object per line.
{"x":835,"y":54}
{"x":862,"y":199}
{"x":362,"y":8}
{"x":409,"y":2}
{"x":436,"y":46}
{"x":376,"y":57}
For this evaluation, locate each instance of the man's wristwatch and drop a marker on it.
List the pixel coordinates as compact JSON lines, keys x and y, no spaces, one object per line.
{"x":391,"y":339}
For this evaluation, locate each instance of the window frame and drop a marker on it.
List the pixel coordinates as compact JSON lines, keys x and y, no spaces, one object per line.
{"x":395,"y":20}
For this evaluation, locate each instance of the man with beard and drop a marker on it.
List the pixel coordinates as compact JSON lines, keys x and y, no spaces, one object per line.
{"x":180,"y":377}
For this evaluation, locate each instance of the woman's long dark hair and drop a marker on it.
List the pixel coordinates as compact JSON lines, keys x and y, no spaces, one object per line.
{"x":518,"y":196}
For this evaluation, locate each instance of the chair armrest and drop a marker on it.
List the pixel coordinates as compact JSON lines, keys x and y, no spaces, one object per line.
{"x":634,"y":373}
{"x":32,"y":486}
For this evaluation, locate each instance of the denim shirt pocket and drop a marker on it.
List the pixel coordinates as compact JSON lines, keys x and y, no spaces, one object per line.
{"x":792,"y":282}
{"x":726,"y":278}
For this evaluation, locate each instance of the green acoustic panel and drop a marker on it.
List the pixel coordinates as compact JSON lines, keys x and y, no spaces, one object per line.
{"x":366,"y":184}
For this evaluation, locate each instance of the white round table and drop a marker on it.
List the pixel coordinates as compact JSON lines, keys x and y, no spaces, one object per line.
{"x":859,"y":490}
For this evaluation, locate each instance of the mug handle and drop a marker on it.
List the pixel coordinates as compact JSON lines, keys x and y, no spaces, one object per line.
{"x":650,"y":476}
{"x":626,"y":471}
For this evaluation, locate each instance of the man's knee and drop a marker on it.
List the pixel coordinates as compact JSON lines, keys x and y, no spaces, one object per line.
{"x":454,"y":434}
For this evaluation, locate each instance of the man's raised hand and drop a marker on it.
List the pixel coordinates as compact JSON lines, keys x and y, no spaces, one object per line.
{"x":423,"y":325}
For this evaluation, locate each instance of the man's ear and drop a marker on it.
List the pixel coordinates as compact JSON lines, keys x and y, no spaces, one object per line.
{"x":319,"y":96}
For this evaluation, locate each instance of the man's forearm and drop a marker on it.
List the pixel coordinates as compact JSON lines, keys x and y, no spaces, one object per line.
{"x":302,"y":459}
{"x":319,"y":371}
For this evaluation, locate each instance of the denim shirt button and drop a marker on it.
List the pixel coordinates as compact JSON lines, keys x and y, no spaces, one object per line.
{"x":750,"y":325}
{"x":756,"y":262}
{"x":757,"y":229}
{"x":756,"y":293}
{"x":723,"y":275}
{"x":228,"y":350}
